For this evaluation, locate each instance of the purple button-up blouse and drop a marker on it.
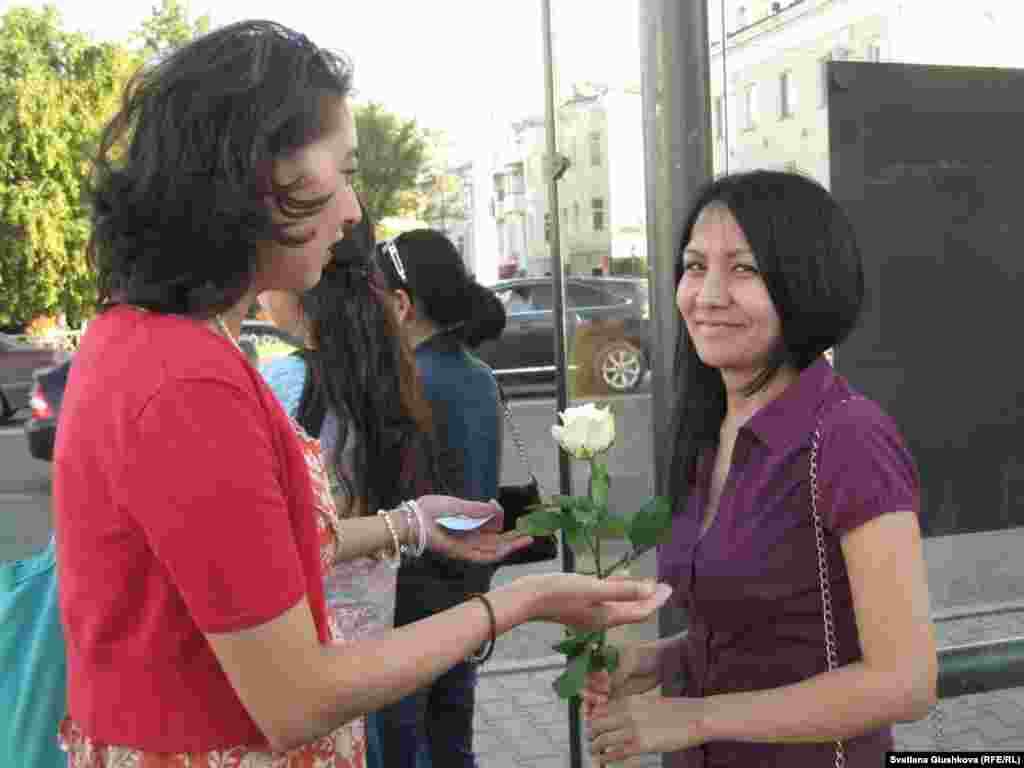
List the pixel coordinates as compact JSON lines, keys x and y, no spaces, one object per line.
{"x":750,"y":584}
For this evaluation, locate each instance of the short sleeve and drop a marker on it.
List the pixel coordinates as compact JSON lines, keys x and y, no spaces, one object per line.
{"x":205,"y":486}
{"x":286,"y":377}
{"x":864,"y":467}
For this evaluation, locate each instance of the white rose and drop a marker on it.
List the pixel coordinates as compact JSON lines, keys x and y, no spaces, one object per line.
{"x":586,"y":430}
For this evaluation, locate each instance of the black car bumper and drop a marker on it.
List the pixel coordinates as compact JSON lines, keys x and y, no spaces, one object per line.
{"x":40,"y":434}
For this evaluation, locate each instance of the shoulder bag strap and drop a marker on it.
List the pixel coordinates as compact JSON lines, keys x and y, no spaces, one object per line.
{"x":516,"y":437}
{"x":823,"y":571}
{"x":936,"y":714}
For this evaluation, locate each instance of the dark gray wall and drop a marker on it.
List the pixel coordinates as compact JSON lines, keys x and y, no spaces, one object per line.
{"x":928,"y":162}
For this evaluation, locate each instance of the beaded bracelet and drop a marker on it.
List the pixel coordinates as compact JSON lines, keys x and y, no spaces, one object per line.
{"x":395,"y":559}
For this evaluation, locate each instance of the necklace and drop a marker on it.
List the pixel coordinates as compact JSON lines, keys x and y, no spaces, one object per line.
{"x":224,"y":329}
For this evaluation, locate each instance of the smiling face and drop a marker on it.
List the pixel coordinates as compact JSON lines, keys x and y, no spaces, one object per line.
{"x":723,"y":298}
{"x":323,"y":169}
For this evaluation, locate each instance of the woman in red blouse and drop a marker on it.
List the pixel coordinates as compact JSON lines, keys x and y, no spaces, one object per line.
{"x":194,"y":519}
{"x":769,"y":278}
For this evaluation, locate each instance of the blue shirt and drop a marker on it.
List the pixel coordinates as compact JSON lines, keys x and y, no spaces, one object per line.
{"x":464,"y":398}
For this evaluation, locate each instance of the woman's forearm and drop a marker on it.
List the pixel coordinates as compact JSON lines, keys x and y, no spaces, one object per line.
{"x":365,"y":536}
{"x":840,"y":704}
{"x":413,"y":656}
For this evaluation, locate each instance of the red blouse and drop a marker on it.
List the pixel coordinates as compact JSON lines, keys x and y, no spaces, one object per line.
{"x":183,"y":506}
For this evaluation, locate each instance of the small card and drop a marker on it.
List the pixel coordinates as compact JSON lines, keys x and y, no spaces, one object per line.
{"x":462,"y":523}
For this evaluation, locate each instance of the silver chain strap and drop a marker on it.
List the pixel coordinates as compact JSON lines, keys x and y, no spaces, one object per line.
{"x":518,"y":439}
{"x":936,"y":715}
{"x":823,"y":575}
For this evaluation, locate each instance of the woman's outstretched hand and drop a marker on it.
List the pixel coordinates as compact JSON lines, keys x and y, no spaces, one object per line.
{"x":589,"y":603}
{"x":486,"y":544}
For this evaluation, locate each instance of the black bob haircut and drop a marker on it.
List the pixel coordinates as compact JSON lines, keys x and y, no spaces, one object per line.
{"x":185,"y":168}
{"x":810,"y":262}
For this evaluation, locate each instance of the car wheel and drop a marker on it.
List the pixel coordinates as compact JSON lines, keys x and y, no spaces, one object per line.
{"x":620,"y":366}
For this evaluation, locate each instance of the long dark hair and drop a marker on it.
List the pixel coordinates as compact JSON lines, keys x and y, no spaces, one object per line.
{"x":808,"y":256}
{"x":184,"y":169}
{"x":360,"y":367}
{"x":437,"y":280}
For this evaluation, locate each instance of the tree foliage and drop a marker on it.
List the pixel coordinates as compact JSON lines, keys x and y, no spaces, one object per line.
{"x":56,"y":90}
{"x":392,"y":154}
{"x":169,"y":26}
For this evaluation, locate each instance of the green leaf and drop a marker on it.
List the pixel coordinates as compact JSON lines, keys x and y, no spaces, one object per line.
{"x":610,"y":657}
{"x":574,"y":644}
{"x":540,"y":523}
{"x":652,"y":524}
{"x":571,"y":682}
{"x":612,"y":528}
{"x":585,"y":512}
{"x":599,"y":484}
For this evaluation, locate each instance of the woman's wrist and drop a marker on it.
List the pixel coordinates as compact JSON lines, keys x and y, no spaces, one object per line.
{"x":514,"y":604}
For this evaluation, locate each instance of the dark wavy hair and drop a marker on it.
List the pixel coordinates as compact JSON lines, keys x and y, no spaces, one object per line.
{"x":360,"y":367}
{"x":808,"y":257}
{"x":184,"y":169}
{"x":437,"y":280}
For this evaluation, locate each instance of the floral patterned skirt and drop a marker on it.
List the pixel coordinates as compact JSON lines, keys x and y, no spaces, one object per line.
{"x":344,"y":748}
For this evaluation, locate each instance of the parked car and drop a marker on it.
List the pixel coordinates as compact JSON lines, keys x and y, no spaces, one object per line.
{"x":608,"y":328}
{"x":17,"y":362}
{"x":47,"y":388}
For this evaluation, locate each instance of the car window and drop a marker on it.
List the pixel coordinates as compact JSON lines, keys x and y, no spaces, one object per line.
{"x":543,"y":297}
{"x":581,"y":296}
{"x":517,"y":300}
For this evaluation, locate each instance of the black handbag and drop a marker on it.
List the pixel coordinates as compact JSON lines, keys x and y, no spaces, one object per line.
{"x":516,"y":500}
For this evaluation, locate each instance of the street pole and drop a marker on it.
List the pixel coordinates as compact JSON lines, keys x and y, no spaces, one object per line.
{"x":554,"y":169}
{"x":677,"y":161}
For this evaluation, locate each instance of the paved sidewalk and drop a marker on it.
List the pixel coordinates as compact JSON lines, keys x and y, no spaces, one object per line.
{"x":520,"y":723}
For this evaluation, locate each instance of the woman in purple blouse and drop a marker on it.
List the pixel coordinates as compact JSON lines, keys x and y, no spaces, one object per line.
{"x":769,"y":278}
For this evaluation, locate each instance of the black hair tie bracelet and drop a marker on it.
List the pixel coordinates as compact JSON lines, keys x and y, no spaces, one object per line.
{"x":488,"y":647}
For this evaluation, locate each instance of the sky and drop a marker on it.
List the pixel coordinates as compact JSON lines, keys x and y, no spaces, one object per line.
{"x":467,"y":67}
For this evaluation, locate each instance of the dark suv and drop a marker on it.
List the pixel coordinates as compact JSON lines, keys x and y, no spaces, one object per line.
{"x":607,"y":328}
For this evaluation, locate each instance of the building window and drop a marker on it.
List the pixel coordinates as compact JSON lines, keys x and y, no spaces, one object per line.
{"x":547,"y":227}
{"x":719,"y":117}
{"x":565,"y":219}
{"x":875,"y":51}
{"x":787,"y":95}
{"x":595,"y":148}
{"x":597,"y":209}
{"x":750,"y":107}
{"x":576,"y":216}
{"x":823,"y":80}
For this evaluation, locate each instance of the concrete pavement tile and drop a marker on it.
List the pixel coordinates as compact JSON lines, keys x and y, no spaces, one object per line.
{"x":1007,"y":711}
{"x":965,"y":740}
{"x":539,"y":745}
{"x":551,"y":761}
{"x":500,"y":760}
{"x":490,"y":689}
{"x":993,"y":729}
{"x":1015,"y":744}
{"x":526,"y":681}
{"x":532,"y":699}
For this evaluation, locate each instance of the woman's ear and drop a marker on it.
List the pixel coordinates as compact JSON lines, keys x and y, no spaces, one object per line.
{"x":404,"y":307}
